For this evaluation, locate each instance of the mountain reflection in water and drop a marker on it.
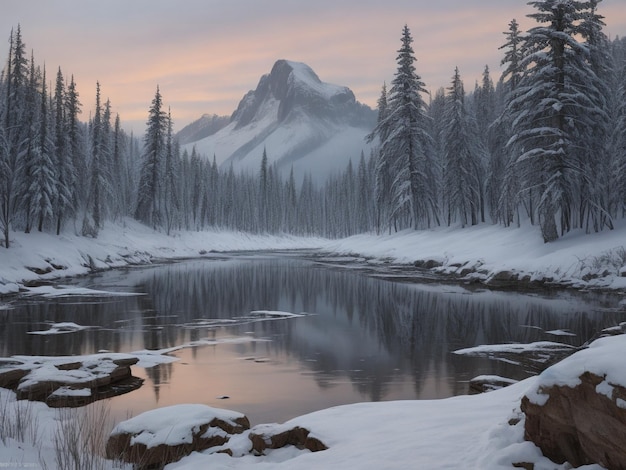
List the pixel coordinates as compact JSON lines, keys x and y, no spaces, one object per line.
{"x":363,"y":338}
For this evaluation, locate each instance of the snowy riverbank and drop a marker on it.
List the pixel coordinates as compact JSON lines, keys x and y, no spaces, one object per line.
{"x":503,"y":256}
{"x":486,"y":253}
{"x":41,"y":256}
{"x":475,"y":431}
{"x":460,"y":432}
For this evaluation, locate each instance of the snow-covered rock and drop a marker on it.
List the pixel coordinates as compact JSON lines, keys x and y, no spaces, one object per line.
{"x":272,"y":436}
{"x":576,"y":412}
{"x":489,"y":383}
{"x":165,"y":435}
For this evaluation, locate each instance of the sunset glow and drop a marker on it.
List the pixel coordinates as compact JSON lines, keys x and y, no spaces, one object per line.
{"x":205,"y":55}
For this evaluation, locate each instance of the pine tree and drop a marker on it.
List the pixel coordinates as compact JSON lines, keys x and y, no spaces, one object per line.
{"x":552,"y":108}
{"x":263,"y":193}
{"x":29,"y":157}
{"x":75,"y":146}
{"x":463,"y":169}
{"x":65,"y":174}
{"x":149,"y":203}
{"x":171,"y":203}
{"x":383,"y":172}
{"x":93,"y":218}
{"x":406,"y":144}
{"x":42,"y":188}
{"x":503,"y":176}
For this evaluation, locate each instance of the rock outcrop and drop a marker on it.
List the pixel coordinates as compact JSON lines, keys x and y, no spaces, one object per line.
{"x":267,"y":437}
{"x":165,"y":435}
{"x":488,"y":383}
{"x":581,"y":425}
{"x":65,"y":382}
{"x":577,"y":412}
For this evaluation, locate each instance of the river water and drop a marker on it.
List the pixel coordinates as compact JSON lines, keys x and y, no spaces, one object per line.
{"x":366,"y":334}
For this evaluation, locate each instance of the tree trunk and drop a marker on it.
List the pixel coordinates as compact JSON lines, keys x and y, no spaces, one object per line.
{"x":548,"y":225}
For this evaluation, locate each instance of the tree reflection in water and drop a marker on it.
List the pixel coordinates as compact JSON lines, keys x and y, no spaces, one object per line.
{"x":373,"y":333}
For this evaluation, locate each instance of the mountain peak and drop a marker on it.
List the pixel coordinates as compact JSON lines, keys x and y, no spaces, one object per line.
{"x":305,"y":124}
{"x":297,"y":89}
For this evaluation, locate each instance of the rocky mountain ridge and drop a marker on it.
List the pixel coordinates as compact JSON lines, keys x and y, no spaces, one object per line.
{"x":301,"y":121}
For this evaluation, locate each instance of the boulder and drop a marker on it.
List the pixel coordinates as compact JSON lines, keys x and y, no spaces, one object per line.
{"x":488,"y":383}
{"x":577,"y":411}
{"x":268,"y":437}
{"x":69,"y":383}
{"x":164,"y":435}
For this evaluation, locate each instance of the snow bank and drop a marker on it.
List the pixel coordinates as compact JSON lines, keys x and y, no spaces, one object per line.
{"x":460,"y":432}
{"x":42,"y":256}
{"x":577,"y":260}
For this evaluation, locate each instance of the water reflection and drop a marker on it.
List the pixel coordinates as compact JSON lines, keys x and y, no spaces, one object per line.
{"x":364,"y":338}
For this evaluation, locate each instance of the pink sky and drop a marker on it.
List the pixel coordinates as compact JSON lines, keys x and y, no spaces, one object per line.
{"x":206,"y":54}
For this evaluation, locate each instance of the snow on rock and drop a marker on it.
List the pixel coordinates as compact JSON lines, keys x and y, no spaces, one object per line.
{"x":98,"y":374}
{"x":272,"y":436}
{"x":575,"y":412}
{"x":512,"y":348}
{"x":68,"y":291}
{"x":167,"y":434}
{"x":60,"y":328}
{"x":273,"y":314}
{"x":63,"y":381}
{"x":535,"y":357}
{"x":489,"y":383}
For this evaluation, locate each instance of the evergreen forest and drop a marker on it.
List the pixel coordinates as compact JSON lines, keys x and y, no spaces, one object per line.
{"x":543,"y":144}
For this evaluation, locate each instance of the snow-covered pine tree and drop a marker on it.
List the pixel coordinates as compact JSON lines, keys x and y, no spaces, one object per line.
{"x":14,"y":132}
{"x":407,"y":142}
{"x":263,"y":213}
{"x":28,"y":157}
{"x":149,"y":199}
{"x":462,"y":171}
{"x":43,"y":183}
{"x":503,"y":179}
{"x":92,"y":219}
{"x":171,"y":203}
{"x":617,"y":133}
{"x":291,"y":203}
{"x":76,"y":147}
{"x":364,"y":197}
{"x":552,"y":108}
{"x":197,"y":188}
{"x":65,"y":173}
{"x":596,"y":158}
{"x":383,"y":163}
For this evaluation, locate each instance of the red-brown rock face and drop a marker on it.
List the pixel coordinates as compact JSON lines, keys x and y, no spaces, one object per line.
{"x":582,"y":425}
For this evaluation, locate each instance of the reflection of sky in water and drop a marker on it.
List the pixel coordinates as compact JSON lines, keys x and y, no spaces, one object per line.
{"x":365,"y":338}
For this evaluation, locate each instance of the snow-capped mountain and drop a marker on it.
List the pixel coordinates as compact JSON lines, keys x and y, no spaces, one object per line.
{"x":301,"y":121}
{"x":205,"y":126}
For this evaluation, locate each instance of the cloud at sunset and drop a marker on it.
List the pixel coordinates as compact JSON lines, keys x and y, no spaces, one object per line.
{"x":205,"y":55}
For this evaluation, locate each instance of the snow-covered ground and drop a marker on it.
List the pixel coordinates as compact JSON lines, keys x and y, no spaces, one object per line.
{"x":460,"y":432}
{"x":474,"y":432}
{"x":42,"y":256}
{"x":578,"y":260}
